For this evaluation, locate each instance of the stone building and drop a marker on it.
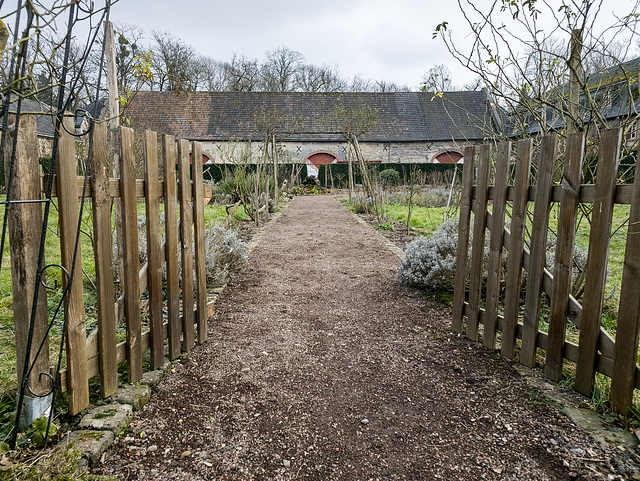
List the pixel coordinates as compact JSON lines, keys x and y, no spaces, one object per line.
{"x":402,"y":127}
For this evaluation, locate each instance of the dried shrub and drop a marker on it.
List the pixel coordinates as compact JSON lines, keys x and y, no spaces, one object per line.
{"x":225,"y":254}
{"x":362,"y":204}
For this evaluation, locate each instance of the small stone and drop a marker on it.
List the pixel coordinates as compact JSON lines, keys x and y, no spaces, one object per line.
{"x":152,"y":448}
{"x":286,"y":463}
{"x":365,"y":421}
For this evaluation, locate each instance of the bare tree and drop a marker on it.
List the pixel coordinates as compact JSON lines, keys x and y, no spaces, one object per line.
{"x":213,"y":73}
{"x":242,"y":74}
{"x":280,"y":71}
{"x":320,"y":79}
{"x":386,"y":86}
{"x":129,"y":52}
{"x":527,"y":66}
{"x":437,"y":79}
{"x":174,"y":63}
{"x":354,"y":120}
{"x":360,"y":84}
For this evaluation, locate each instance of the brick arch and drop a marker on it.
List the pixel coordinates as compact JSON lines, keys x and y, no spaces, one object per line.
{"x":321,"y":157}
{"x":450,"y":156}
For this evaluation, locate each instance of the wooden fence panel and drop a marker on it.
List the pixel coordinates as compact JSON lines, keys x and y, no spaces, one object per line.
{"x":69,"y":212}
{"x":495,"y":245}
{"x":597,"y":258}
{"x":198,"y":228}
{"x":515,"y":247}
{"x":561,"y":289}
{"x":171,"y":244}
{"x":103,"y":253}
{"x":538,"y":249}
{"x":597,"y":350}
{"x":462,"y":249}
{"x":477,"y":247}
{"x":186,"y":231}
{"x":154,"y":249}
{"x":131,"y":255}
{"x":626,"y":350}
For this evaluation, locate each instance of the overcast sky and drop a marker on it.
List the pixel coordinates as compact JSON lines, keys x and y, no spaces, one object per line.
{"x":378,"y":39}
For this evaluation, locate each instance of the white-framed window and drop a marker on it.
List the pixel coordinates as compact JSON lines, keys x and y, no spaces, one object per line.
{"x":633,"y":133}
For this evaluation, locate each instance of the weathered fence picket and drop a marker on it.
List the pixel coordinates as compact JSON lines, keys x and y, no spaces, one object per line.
{"x":477,"y":246}
{"x":561,"y":289}
{"x":71,"y":260}
{"x":495,"y":244}
{"x":596,"y":351}
{"x":462,"y":251}
{"x":186,"y":237}
{"x":131,"y":255}
{"x":103,"y":254}
{"x":154,"y":246}
{"x":171,"y":244}
{"x":626,"y":349}
{"x":515,"y":247}
{"x":596,"y":270}
{"x":544,"y":179}
{"x":199,"y":235}
{"x":25,"y":229}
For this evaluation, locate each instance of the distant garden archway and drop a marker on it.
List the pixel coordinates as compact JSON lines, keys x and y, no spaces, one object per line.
{"x":318,"y":158}
{"x":448,"y":157}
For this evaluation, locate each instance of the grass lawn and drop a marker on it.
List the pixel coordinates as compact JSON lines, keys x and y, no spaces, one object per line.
{"x":426,"y":219}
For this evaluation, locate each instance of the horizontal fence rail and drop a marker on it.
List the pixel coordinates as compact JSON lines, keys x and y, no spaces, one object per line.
{"x":488,"y":294}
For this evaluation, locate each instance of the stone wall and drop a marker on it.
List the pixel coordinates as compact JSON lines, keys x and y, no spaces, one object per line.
{"x":297,"y":152}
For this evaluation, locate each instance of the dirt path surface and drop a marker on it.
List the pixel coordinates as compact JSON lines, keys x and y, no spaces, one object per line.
{"x":320,"y":366}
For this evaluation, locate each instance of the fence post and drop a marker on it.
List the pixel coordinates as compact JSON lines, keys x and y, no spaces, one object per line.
{"x":596,"y":270}
{"x":477,"y":247}
{"x":69,"y":212}
{"x":131,"y":255}
{"x":103,"y":251}
{"x":198,"y":229}
{"x":626,"y":349}
{"x":539,"y":228}
{"x":561,"y":287}
{"x":513,"y":278}
{"x":495,"y":245}
{"x":25,"y":229}
{"x":462,"y":251}
{"x":186,"y":230}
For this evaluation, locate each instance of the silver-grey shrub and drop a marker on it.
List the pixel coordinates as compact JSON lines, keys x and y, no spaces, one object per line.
{"x":431,"y":261}
{"x":225,"y":254}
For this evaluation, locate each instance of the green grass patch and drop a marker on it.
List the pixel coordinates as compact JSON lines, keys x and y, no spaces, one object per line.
{"x":426,"y":219}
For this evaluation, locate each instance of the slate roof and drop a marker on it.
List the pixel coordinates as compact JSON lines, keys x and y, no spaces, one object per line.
{"x":401,"y":116}
{"x":44,"y":115}
{"x":614,"y":84}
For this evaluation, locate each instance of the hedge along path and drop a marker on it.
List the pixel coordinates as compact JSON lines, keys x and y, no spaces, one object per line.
{"x":320,"y":366}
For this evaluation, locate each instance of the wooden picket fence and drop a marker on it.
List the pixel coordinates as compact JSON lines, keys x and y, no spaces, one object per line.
{"x":186,"y":306}
{"x":596,"y":350}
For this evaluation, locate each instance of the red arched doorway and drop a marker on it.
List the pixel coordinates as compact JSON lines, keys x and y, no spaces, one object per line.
{"x":448,"y":157}
{"x":318,"y":158}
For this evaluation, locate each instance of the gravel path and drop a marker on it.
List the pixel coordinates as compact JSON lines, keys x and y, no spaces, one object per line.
{"x":321,"y":367}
